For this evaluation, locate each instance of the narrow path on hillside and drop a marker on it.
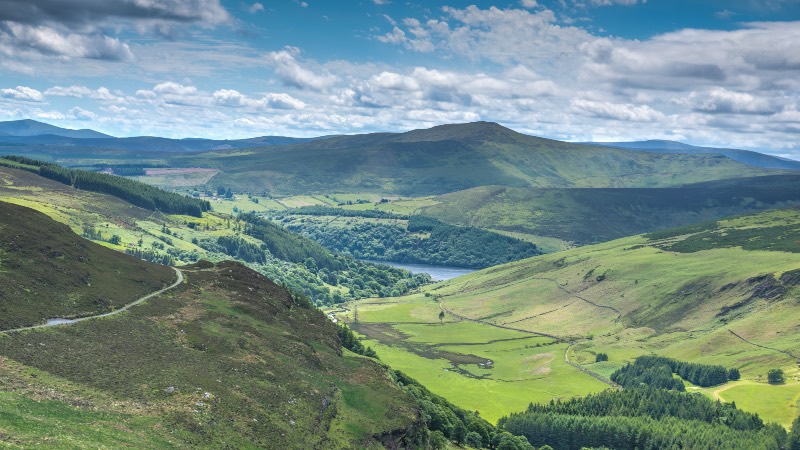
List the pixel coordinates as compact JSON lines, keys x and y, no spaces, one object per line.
{"x":785,"y":352}
{"x":594,"y":375}
{"x":108,"y":314}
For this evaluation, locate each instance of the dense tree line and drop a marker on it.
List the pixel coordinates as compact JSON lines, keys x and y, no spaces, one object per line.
{"x":286,"y":245}
{"x":656,"y":371}
{"x":241,"y":249}
{"x":794,"y":436}
{"x":351,"y":342}
{"x":338,"y":212}
{"x":308,"y":268}
{"x":134,"y":192}
{"x":644,"y":419}
{"x":151,"y":255}
{"x":424,"y":240}
{"x":448,"y":422}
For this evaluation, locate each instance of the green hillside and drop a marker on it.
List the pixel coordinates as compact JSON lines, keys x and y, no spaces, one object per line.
{"x":717,"y":293}
{"x":228,"y":359}
{"x":586,"y":216}
{"x":46,"y":272}
{"x":294,"y":261}
{"x":448,"y":158}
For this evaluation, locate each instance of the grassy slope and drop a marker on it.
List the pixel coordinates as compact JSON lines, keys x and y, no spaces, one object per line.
{"x":626,"y":298}
{"x":46,"y":271}
{"x":454,"y":157}
{"x":598,"y":215}
{"x":112,"y":216}
{"x":226,"y":360}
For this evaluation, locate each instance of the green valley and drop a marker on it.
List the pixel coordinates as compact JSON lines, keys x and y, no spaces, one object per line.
{"x":712,"y":293}
{"x":226,"y":358}
{"x":533,"y":341}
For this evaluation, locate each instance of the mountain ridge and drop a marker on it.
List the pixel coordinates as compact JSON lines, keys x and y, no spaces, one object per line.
{"x":29,"y":127}
{"x":749,"y":157}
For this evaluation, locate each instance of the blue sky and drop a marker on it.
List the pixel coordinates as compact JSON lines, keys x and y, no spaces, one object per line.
{"x":717,"y":73}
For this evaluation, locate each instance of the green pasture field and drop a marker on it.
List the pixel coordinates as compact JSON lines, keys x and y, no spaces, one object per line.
{"x":446,"y":357}
{"x":774,"y":403}
{"x":626,"y":298}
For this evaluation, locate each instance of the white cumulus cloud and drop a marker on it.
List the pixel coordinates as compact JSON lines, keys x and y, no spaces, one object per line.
{"x":23,"y":93}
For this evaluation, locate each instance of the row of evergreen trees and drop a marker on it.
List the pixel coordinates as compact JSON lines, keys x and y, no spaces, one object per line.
{"x":351,"y":342}
{"x":656,"y":372}
{"x":644,"y":419}
{"x":448,"y":422}
{"x":317,"y":210}
{"x":134,"y":192}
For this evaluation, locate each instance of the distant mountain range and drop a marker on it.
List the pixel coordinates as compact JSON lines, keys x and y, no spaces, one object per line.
{"x":450,"y":158}
{"x":436,"y":160}
{"x":32,"y":133}
{"x":743,"y":156}
{"x":26,"y":128}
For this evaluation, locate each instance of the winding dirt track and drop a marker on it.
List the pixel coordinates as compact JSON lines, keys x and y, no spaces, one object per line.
{"x":108,"y":314}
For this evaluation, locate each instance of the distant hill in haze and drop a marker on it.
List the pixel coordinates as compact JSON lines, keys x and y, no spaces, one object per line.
{"x":31,"y":134}
{"x":743,"y":156}
{"x":449,"y":158}
{"x":27,"y":127}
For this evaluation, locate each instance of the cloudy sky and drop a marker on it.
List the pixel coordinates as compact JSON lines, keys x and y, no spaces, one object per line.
{"x":706,"y":72}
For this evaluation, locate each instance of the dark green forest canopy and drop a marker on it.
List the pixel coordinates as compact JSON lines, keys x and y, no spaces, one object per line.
{"x":423,"y":240}
{"x":644,"y":419}
{"x":656,"y":372}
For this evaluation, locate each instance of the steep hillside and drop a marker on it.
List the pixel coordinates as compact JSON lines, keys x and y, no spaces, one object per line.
{"x":228,"y":359}
{"x":721,"y":292}
{"x":179,"y":239}
{"x":453,"y":157}
{"x":46,"y":271}
{"x":586,"y":216}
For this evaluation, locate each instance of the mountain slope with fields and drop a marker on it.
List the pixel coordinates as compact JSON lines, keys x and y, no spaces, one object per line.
{"x":585,"y":216}
{"x":454,"y":157}
{"x":291,"y":260}
{"x":722,"y":292}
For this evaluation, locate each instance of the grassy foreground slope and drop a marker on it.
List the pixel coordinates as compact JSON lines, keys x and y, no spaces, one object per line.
{"x":722,"y":293}
{"x":228,"y":359}
{"x":46,"y":271}
{"x":586,"y":216}
{"x":448,"y":158}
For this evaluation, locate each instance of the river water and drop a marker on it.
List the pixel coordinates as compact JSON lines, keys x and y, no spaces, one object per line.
{"x":437,"y":273}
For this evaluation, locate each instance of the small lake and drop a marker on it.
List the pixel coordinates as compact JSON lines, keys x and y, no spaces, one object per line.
{"x":437,"y":273}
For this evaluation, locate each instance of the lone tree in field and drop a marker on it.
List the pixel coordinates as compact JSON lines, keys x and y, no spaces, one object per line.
{"x":441,"y":317}
{"x":601,"y":357}
{"x":775,"y":376}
